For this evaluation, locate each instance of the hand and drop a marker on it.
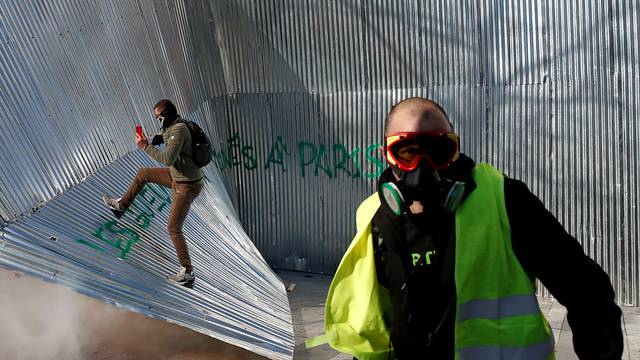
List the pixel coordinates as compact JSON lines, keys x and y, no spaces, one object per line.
{"x":157,"y":140}
{"x":141,"y":141}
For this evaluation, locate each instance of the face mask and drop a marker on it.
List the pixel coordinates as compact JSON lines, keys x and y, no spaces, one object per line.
{"x":163,"y":120}
{"x":425,"y":185}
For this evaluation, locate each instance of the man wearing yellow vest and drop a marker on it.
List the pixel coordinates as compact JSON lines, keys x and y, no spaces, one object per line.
{"x":445,"y":258}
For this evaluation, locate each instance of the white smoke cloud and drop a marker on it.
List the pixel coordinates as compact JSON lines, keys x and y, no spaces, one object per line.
{"x":42,"y":321}
{"x":38,"y":321}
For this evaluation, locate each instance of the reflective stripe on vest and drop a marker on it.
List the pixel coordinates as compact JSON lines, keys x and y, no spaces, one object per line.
{"x":497,"y":312}
{"x":495,"y":309}
{"x":497,"y":315}
{"x":532,"y":352}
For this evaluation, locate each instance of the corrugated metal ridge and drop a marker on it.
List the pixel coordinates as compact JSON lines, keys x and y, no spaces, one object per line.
{"x":237,"y":298}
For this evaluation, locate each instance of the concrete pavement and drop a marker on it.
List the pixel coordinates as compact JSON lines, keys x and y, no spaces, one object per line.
{"x":307,"y":309}
{"x":67,"y":325}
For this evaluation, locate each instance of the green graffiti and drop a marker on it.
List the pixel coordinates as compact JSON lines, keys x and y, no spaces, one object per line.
{"x":326,"y":160}
{"x":232,"y":153}
{"x":322,"y":155}
{"x":153,"y":198}
{"x":276,"y":154}
{"x":356,"y":162}
{"x":250,"y":159}
{"x":377,"y":162}
{"x":150,"y":201}
{"x":301,"y":155}
{"x":146,"y":200}
{"x":220,"y":160}
{"x":340,"y":158}
{"x":143,"y":220}
{"x":130,"y":236}
{"x":119,"y":239}
{"x":233,"y":144}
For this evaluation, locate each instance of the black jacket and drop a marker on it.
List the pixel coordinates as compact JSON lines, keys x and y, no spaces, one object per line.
{"x":423,"y":324}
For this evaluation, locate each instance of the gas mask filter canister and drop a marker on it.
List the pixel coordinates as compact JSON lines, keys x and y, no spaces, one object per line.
{"x":448,"y":193}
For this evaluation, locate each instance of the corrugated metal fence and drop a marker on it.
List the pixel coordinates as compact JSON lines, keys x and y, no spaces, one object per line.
{"x":76,"y":77}
{"x":295,"y":91}
{"x":547,"y":91}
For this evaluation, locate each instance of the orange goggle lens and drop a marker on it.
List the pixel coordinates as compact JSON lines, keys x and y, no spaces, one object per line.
{"x":406,"y":150}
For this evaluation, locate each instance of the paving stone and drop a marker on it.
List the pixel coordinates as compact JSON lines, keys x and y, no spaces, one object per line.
{"x":307,"y":308}
{"x":544,"y":308}
{"x":556,"y":316}
{"x":633,"y":347}
{"x":632,"y":323}
{"x":631,"y":310}
{"x":342,"y":357}
{"x":556,"y":335}
{"x":564,"y":347}
{"x":625,"y":352}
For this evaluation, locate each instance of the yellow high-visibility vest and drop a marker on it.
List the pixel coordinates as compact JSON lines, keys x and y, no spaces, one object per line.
{"x":497,"y":313}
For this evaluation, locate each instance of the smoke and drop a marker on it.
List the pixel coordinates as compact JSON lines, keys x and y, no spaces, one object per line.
{"x":38,"y":320}
{"x":42,"y":321}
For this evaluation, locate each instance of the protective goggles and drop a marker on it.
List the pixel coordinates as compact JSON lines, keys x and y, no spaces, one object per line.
{"x":406,"y":150}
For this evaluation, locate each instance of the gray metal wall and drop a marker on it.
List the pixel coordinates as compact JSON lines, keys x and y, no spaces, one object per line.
{"x":547,"y":91}
{"x":544,"y":90}
{"x":75,"y":78}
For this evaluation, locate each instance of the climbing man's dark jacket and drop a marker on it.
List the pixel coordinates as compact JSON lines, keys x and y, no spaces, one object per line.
{"x":545,"y":250}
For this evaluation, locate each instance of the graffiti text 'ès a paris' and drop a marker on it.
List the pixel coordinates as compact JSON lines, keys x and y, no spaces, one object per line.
{"x":312,"y":159}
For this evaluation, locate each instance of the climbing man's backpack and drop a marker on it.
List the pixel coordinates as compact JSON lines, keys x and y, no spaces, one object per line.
{"x":200,"y":144}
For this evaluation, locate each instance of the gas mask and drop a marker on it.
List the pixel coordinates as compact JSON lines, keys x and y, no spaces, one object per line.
{"x":416,"y":159}
{"x":425,"y":186}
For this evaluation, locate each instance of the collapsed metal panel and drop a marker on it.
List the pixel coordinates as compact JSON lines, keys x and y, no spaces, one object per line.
{"x":545,"y":90}
{"x":74,"y":241}
{"x":76,"y":78}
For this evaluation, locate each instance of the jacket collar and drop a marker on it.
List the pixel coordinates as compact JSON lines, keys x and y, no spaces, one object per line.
{"x":167,"y":123}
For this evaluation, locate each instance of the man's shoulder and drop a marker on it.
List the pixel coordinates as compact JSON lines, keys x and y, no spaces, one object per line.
{"x":512,"y":185}
{"x":366,"y":210}
{"x":178,"y":127}
{"x":180,"y":124}
{"x":372,"y":201}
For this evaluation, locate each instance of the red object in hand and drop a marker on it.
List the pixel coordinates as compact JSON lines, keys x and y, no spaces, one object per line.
{"x":139,"y":130}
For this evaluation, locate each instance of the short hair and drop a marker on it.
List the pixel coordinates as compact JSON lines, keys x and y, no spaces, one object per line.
{"x":422,"y":103}
{"x":167,"y":109}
